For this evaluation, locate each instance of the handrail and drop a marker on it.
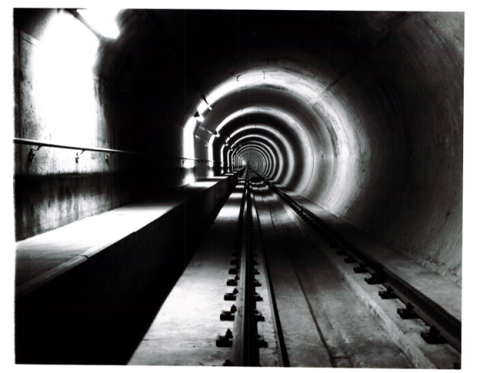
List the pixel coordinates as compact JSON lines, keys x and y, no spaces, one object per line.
{"x":17,"y":140}
{"x":40,"y":144}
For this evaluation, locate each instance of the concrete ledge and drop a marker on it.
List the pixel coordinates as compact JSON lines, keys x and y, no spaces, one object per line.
{"x":38,"y":257}
{"x":82,"y":289}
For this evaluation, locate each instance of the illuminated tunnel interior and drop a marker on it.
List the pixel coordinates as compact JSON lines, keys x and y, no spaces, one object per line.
{"x":360,"y":113}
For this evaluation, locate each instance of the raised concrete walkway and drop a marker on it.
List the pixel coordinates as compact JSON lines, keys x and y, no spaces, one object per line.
{"x":44,"y":257}
{"x":84,"y":291}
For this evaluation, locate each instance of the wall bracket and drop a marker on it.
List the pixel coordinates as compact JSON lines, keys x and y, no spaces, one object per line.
{"x":32,"y":153}
{"x":77,"y":157}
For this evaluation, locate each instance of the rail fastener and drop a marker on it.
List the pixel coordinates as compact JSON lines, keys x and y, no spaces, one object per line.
{"x":408,"y":312}
{"x":433,"y":336}
{"x":375,"y":279}
{"x":231,"y":296}
{"x":389,"y":293}
{"x":225,"y":340}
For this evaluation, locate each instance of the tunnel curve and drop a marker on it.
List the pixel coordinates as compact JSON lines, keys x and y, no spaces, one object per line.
{"x":278,"y":150}
{"x":360,"y":112}
{"x":355,"y":137}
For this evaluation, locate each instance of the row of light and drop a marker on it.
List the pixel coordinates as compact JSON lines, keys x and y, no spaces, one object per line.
{"x":200,"y":118}
{"x":233,"y":146}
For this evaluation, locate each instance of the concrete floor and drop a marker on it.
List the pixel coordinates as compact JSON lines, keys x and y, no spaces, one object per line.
{"x":185,"y":330}
{"x":440,"y":289}
{"x":404,"y":333}
{"x":328,"y":315}
{"x":342,"y":330}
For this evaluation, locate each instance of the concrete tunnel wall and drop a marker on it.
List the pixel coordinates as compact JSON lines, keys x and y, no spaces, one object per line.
{"x":368,"y":105}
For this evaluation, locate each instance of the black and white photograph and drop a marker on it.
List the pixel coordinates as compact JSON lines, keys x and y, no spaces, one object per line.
{"x":240,"y":185}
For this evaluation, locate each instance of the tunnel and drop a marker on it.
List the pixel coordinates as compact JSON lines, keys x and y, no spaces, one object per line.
{"x":149,"y":142}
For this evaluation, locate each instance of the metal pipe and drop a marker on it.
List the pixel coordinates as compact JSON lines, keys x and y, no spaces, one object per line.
{"x":20,"y":141}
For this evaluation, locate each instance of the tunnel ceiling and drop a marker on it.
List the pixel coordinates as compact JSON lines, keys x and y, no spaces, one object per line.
{"x":361,"y":112}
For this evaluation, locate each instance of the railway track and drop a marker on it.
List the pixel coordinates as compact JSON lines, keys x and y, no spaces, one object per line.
{"x":272,"y":284}
{"x":247,"y":263}
{"x":320,"y":329}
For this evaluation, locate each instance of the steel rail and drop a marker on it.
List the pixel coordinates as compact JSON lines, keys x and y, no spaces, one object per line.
{"x":244,"y":329}
{"x":285,"y":361}
{"x":432,"y":313}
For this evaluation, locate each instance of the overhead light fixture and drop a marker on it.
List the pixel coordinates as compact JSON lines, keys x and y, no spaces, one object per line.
{"x":102,"y":20}
{"x":205,"y":99}
{"x":198,"y":116}
{"x":214,"y":133}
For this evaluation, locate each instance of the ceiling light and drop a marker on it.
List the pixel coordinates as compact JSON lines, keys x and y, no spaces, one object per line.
{"x":205,"y":100}
{"x":102,"y":20}
{"x":198,"y":116}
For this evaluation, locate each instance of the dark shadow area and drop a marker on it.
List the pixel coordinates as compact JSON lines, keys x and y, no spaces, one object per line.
{"x":98,"y":312}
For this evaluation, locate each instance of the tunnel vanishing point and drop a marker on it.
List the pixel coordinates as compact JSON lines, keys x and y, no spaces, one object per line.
{"x":298,"y":173}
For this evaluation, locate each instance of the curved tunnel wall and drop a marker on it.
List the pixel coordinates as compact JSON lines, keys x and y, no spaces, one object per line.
{"x":364,"y":111}
{"x":394,"y":126}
